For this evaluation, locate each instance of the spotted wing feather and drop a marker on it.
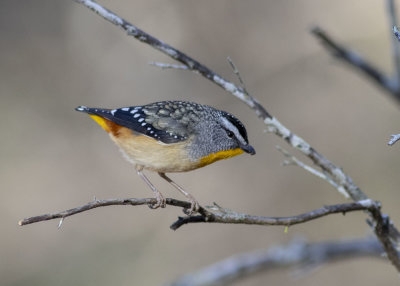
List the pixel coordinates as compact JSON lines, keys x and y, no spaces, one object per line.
{"x":145,"y":120}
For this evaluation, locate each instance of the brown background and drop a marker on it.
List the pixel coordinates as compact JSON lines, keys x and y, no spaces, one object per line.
{"x":56,"y":55}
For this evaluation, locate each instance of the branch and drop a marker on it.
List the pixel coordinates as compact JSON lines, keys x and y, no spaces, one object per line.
{"x":359,"y":63}
{"x":221,"y":215}
{"x":393,"y":139}
{"x":395,"y":45}
{"x":396,"y":32}
{"x":292,"y":160}
{"x":273,"y":124}
{"x":103,"y":203}
{"x":168,"y":66}
{"x":214,"y":214}
{"x":297,"y":253}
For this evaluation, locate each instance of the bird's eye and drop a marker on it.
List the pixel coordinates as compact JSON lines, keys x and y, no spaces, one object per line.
{"x":230,"y":133}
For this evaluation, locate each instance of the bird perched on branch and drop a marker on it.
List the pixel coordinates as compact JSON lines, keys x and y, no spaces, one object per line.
{"x":172,"y":136}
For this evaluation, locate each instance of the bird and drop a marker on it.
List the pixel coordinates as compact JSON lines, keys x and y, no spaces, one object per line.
{"x":172,"y":136}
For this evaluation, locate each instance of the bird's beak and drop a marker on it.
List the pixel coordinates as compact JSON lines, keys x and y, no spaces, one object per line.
{"x":248,"y":149}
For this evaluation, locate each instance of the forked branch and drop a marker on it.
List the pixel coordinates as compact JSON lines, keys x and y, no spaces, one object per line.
{"x":213,"y":214}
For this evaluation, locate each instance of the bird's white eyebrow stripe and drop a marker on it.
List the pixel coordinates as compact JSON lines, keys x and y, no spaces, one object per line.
{"x":233,"y":128}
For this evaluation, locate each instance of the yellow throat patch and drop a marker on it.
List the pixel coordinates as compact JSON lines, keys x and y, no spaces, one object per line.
{"x":101,"y":121}
{"x":206,"y":160}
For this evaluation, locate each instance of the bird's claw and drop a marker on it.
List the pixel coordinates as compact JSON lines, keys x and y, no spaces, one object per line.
{"x":194,"y":208}
{"x":161,"y":202}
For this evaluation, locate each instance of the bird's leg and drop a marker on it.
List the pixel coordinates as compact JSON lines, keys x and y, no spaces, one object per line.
{"x":194,"y":204}
{"x":161,"y":202}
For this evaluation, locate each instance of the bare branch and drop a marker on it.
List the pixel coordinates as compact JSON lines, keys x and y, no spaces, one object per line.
{"x":358,"y":62}
{"x":103,"y":203}
{"x":396,"y":32}
{"x":237,"y":73}
{"x":385,"y":232}
{"x":169,"y":66}
{"x":395,"y":45}
{"x":394,"y":138}
{"x":298,"y":253}
{"x":292,"y":160}
{"x":221,"y":215}
{"x":213,"y":214}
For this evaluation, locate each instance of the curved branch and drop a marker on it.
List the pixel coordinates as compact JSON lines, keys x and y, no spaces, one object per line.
{"x":221,"y":215}
{"x":392,"y":15}
{"x":103,"y":203}
{"x":298,"y":253}
{"x":355,"y":60}
{"x":213,"y":214}
{"x":393,"y":139}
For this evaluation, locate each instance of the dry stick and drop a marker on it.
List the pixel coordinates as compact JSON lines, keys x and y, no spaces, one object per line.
{"x":355,"y":60}
{"x":292,"y":160}
{"x":298,"y":253}
{"x":102,"y":203}
{"x":393,"y":139}
{"x":228,"y":216}
{"x":395,"y":45}
{"x":169,"y":66}
{"x":216,"y":215}
{"x":272,"y":123}
{"x":396,"y":53}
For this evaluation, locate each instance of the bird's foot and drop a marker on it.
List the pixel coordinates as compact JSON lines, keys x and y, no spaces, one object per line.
{"x":161,"y":202}
{"x":194,"y":207}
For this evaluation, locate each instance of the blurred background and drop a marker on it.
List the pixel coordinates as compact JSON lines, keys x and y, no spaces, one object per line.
{"x":56,"y":55}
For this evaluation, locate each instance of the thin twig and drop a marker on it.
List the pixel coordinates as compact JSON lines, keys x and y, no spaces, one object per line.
{"x":103,"y":203}
{"x":292,"y":160}
{"x":297,"y":253}
{"x":395,"y":45}
{"x":396,"y":32}
{"x":211,"y":214}
{"x":237,"y":73}
{"x":394,"y":138}
{"x":231,"y":217}
{"x":358,"y":62}
{"x":168,"y":66}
